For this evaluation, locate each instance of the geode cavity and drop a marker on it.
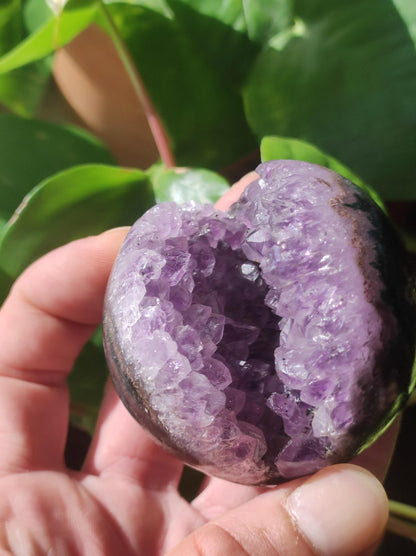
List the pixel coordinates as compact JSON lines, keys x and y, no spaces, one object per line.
{"x":267,"y":342}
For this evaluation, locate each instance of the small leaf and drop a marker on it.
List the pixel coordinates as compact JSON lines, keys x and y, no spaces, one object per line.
{"x":273,"y":148}
{"x":182,"y":185}
{"x":81,"y":201}
{"x":55,"y":33}
{"x":32,"y":150}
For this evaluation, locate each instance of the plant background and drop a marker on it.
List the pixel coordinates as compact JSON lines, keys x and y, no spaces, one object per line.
{"x":102,"y":101}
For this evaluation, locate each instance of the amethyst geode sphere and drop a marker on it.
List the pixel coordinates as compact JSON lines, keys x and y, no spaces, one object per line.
{"x":264,"y":343}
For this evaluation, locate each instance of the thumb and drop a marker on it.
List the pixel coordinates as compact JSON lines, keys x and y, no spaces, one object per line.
{"x":339,"y":511}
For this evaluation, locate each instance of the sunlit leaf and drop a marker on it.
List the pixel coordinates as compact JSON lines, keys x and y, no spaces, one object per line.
{"x":346,"y":82}
{"x":267,"y":18}
{"x":55,"y":33}
{"x":35,"y":14}
{"x":20,"y":90}
{"x":32,"y":150}
{"x":81,"y":201}
{"x":273,"y":148}
{"x":218,"y":31}
{"x":185,"y":185}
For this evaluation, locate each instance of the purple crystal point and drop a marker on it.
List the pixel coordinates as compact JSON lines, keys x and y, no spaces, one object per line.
{"x":267,"y":342}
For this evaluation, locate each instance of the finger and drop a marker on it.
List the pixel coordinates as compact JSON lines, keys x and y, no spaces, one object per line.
{"x":340,"y":511}
{"x":50,"y":313}
{"x":120,"y":446}
{"x":233,"y":194}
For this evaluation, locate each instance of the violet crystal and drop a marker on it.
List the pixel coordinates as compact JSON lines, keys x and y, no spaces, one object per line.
{"x":267,"y":342}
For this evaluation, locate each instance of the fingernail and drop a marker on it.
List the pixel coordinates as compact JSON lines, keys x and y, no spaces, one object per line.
{"x":340,"y":511}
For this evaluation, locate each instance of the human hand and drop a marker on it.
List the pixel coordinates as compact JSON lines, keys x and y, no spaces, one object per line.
{"x":125,"y":498}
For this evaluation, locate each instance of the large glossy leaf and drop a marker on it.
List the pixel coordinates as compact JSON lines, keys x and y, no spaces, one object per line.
{"x":53,"y":34}
{"x":22,"y":89}
{"x":345,"y":81}
{"x":185,"y":185}
{"x":218,"y":31}
{"x":202,"y":112}
{"x":273,"y":148}
{"x":32,"y":150}
{"x":81,"y":201}
{"x":267,"y":18}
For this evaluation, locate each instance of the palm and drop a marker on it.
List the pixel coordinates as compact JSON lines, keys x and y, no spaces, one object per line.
{"x":84,"y":514}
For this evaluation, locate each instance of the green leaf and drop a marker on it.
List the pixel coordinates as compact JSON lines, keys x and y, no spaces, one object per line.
{"x":81,"y":201}
{"x":35,"y":14}
{"x":346,"y":82}
{"x":181,"y":186}
{"x":273,"y":148}
{"x":55,"y":33}
{"x":32,"y":150}
{"x":201,"y":109}
{"x":10,"y":24}
{"x":218,"y":30}
{"x":267,"y":18}
{"x":20,"y":90}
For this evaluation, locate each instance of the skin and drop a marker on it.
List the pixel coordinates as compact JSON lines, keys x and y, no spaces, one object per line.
{"x":125,"y":498}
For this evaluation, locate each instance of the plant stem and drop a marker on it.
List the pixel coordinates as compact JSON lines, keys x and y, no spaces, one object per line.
{"x":404,"y":511}
{"x":400,"y":527}
{"x":402,"y":520}
{"x":412,"y":399}
{"x":158,"y":131}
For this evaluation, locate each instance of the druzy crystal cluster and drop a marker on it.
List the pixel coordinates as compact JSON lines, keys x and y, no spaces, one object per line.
{"x":263,"y":343}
